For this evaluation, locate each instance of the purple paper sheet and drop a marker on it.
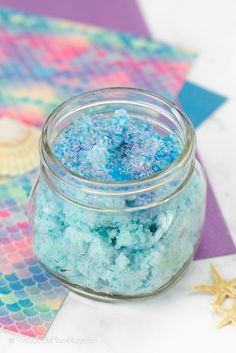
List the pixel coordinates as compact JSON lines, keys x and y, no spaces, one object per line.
{"x":124,"y":15}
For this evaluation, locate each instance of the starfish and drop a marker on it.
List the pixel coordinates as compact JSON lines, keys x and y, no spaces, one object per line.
{"x":221,"y":288}
{"x":230,"y":314}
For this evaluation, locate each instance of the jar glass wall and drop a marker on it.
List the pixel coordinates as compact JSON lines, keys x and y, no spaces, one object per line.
{"x":118,"y":239}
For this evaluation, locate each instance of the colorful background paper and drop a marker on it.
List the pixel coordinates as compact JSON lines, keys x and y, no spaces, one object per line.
{"x":43,"y":62}
{"x":199,"y":103}
{"x":29,"y":297}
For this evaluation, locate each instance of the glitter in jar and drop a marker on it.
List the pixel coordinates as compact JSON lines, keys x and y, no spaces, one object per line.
{"x":115,"y":149}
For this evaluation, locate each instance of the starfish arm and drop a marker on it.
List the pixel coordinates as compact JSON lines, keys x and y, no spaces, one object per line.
{"x":220,"y":309}
{"x":234,"y":321}
{"x":217,"y":277}
{"x":232,"y":283}
{"x":206,"y":288}
{"x":220,"y":298}
{"x":231,"y":292}
{"x":223,"y":322}
{"x":234,"y":305}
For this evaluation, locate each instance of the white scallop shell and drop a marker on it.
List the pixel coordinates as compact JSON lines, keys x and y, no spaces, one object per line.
{"x":18,"y":147}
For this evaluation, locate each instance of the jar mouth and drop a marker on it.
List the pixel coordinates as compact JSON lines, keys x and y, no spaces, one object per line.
{"x":150,"y":100}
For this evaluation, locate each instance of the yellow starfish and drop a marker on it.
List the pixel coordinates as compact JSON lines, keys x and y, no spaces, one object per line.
{"x":230,"y":314}
{"x":221,"y":288}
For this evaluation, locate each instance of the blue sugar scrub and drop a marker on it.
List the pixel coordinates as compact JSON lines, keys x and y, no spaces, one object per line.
{"x":122,"y":217}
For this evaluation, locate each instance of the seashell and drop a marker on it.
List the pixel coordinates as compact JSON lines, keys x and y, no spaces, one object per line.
{"x":18,"y":147}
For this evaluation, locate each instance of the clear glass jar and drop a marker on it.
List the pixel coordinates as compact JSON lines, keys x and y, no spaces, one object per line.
{"x":118,"y":239}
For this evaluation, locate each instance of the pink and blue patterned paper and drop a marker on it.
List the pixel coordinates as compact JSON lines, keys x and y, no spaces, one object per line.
{"x":44,"y":61}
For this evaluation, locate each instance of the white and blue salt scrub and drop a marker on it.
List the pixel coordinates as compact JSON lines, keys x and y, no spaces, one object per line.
{"x":127,"y":244}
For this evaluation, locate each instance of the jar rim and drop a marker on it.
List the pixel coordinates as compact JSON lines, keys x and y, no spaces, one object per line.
{"x":187,"y":152}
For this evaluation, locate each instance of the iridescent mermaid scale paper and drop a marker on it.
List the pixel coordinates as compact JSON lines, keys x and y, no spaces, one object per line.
{"x":29,"y":298}
{"x":42,"y":63}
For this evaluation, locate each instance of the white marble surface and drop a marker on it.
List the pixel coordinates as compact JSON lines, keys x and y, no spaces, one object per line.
{"x":179,"y":320}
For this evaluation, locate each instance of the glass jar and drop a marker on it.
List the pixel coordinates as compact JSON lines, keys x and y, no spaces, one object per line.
{"x":118,"y":239}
